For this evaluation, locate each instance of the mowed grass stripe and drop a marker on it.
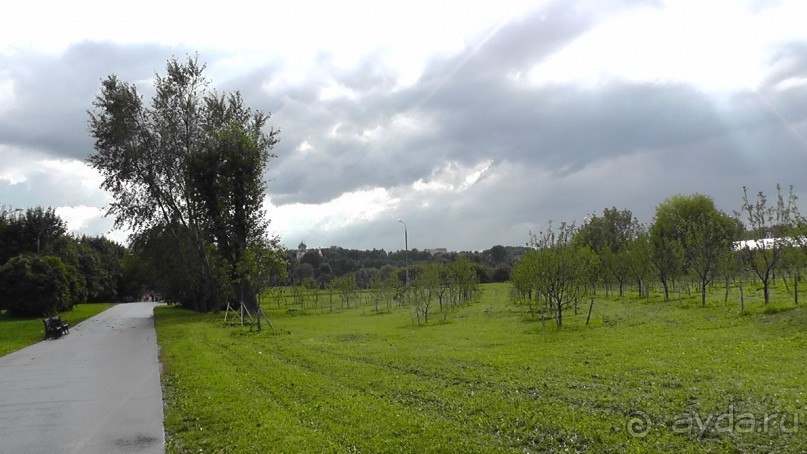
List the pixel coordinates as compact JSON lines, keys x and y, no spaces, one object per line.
{"x":460,"y":398}
{"x":325,"y":402}
{"x":491,"y":379}
{"x":215,"y":399}
{"x":391,"y":404}
{"x":428,"y":390}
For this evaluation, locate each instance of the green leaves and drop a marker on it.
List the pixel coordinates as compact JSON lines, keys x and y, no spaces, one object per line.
{"x":190,"y":164}
{"x":556,"y":270}
{"x":689,"y":235}
{"x":35,"y":286}
{"x":775,"y":222}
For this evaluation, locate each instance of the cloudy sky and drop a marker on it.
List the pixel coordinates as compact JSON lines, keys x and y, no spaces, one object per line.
{"x":474,"y":122}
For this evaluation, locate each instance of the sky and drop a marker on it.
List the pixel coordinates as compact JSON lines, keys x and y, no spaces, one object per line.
{"x":475,"y":123}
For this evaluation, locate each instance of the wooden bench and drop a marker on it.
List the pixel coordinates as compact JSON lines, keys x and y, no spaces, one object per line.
{"x":55,"y":327}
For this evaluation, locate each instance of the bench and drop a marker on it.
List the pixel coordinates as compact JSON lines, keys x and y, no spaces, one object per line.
{"x":55,"y":327}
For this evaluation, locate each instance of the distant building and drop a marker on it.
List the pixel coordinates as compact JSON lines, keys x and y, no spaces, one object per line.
{"x":302,"y":249}
{"x":768,"y":243}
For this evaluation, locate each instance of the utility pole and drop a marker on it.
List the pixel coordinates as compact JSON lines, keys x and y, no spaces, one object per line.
{"x":406,"y":251}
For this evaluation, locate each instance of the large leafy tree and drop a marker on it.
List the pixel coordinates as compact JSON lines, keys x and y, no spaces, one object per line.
{"x":707,"y":235}
{"x":610,"y":236}
{"x":36,"y":230}
{"x":189,"y":165}
{"x":666,"y":251}
{"x":100,"y":261}
{"x":690,"y":235}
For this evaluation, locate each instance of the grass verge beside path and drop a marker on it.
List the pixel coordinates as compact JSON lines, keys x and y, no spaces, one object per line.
{"x":645,"y":376}
{"x":19,"y":333}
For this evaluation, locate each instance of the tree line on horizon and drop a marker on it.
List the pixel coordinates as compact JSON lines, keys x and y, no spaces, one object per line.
{"x":317,"y":267}
{"x":43,"y":270}
{"x":690,"y":241}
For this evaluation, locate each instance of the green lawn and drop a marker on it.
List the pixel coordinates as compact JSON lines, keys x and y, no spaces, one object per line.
{"x":491,"y":379}
{"x":18,"y":333}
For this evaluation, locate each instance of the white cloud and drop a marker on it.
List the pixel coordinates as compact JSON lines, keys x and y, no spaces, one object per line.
{"x":297,"y":35}
{"x":20,"y":166}
{"x":294,"y":220}
{"x":71,"y":170}
{"x":334,"y":90}
{"x":304,"y":147}
{"x":33,"y":179}
{"x":79,"y":216}
{"x":6,"y":92}
{"x":452,"y":177}
{"x":717,"y":46}
{"x":15,"y":169}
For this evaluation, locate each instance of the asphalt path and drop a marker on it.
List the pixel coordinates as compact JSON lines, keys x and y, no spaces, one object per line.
{"x":95,"y":390}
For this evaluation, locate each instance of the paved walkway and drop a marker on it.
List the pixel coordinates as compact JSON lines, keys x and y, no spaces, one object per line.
{"x":95,"y":390}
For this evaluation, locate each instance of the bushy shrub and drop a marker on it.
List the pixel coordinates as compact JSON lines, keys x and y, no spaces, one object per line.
{"x":501,"y":273}
{"x":35,"y":286}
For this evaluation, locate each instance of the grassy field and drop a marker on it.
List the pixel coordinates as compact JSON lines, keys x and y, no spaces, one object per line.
{"x":18,"y":333}
{"x":644,"y":376}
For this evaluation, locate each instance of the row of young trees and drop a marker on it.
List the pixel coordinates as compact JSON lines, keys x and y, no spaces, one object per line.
{"x":449,"y":285}
{"x":45,"y":271}
{"x":689,"y":240}
{"x":442,"y":286}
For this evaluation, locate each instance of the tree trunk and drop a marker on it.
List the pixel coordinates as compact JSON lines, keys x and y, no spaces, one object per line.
{"x":796,"y":288}
{"x":765,"y":291}
{"x":742,"y":298}
{"x":542,"y":312}
{"x":703,"y":294}
{"x":728,"y":284}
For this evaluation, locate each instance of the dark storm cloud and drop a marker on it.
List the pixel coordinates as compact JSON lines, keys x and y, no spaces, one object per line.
{"x":473,"y":109}
{"x":568,"y":126}
{"x":628,"y":157}
{"x":785,"y":92}
{"x":464,"y":108}
{"x":53,"y":94}
{"x":339,"y":159}
{"x":556,"y":151}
